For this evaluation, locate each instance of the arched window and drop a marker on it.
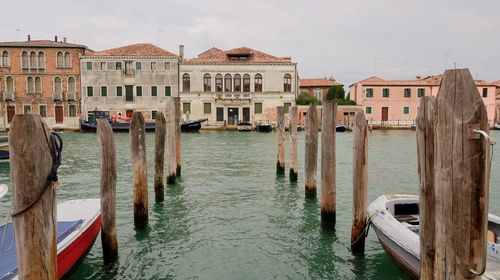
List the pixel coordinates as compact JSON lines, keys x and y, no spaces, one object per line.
{"x":218,"y":83}
{"x":31,"y":85}
{"x":57,"y":85}
{"x":287,"y":83}
{"x":207,"y":82}
{"x":9,"y":84}
{"x":258,"y":83}
{"x":59,"y":61}
{"x":246,"y":83}
{"x":38,"y":85}
{"x":41,"y":60}
{"x":5,"y":59}
{"x":25,"y":60}
{"x":71,"y":85}
{"x":67,"y":60}
{"x":186,"y":83}
{"x":33,"y":60}
{"x":227,"y":83}
{"x":237,"y":82}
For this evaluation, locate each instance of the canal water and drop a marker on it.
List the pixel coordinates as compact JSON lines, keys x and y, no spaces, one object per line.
{"x":230,"y":217}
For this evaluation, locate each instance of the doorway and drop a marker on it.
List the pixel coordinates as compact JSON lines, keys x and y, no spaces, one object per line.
{"x":129,"y":93}
{"x":11,"y":111}
{"x":232,"y":115}
{"x":385,"y":114}
{"x":246,"y":114}
{"x":59,"y":114}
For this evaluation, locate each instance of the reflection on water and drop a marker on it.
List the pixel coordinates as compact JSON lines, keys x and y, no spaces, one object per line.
{"x":230,"y":216}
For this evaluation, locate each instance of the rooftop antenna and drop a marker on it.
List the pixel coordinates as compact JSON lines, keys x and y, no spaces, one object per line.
{"x":158,"y":31}
{"x":447,"y":53}
{"x":375,"y":65}
{"x":18,"y":31}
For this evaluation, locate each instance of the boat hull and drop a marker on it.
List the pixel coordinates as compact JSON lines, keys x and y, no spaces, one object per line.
{"x":192,"y":126}
{"x":340,"y":128}
{"x":497,"y":126}
{"x":264,"y":128}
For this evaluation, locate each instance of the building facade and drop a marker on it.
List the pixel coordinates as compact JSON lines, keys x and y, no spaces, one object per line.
{"x":241,"y":84}
{"x":122,"y":80}
{"x":395,"y":102}
{"x":42,"y":77}
{"x":497,"y":100}
{"x":316,"y":87}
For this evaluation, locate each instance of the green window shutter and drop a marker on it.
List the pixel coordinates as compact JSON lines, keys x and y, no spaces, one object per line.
{"x":368,"y":110}
{"x":385,"y":92}
{"x":420,"y":92}
{"x":154,"y":91}
{"x":485,"y":92}
{"x":138,"y":66}
{"x":207,"y":108}
{"x":369,"y":92}
{"x":90,"y":91}
{"x":186,"y":108}
{"x":138,"y":90}
{"x":407,"y":92}
{"x":258,"y":108}
{"x":406,"y":110}
{"x":119,"y":91}
{"x":89,"y":65}
{"x":153,"y":115}
{"x":104,"y":91}
{"x":168,"y":91}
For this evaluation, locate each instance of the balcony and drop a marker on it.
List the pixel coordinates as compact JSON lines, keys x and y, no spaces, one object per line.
{"x":57,"y":96}
{"x":71,"y":96}
{"x":9,"y":96}
{"x":233,"y":95}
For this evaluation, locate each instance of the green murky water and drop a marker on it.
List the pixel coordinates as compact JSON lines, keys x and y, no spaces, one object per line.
{"x":230,"y":217}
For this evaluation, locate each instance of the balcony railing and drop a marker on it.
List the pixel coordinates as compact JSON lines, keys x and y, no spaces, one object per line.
{"x":9,"y":96}
{"x":233,"y":95}
{"x":57,"y":96}
{"x":71,"y":96}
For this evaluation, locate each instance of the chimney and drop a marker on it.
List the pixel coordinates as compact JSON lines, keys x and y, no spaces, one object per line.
{"x":29,"y":38}
{"x":181,"y":52}
{"x":64,"y":39}
{"x":55,"y":38}
{"x":418,"y":77}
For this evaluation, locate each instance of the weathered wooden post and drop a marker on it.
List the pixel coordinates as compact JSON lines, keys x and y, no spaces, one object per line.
{"x":171,"y":142}
{"x":178,"y":116}
{"x":461,"y":188}
{"x":328,"y":188}
{"x":427,"y":190}
{"x":33,"y":198}
{"x":108,"y":190}
{"x":280,"y":128}
{"x":359,"y":182}
{"x":311,"y":153}
{"x":139,"y":169}
{"x":294,"y":172}
{"x":160,"y":131}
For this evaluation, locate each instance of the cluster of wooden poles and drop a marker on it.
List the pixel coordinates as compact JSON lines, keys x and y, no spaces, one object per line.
{"x":328,"y":172}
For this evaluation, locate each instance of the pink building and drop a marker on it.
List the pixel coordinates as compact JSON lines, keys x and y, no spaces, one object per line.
{"x":395,"y":102}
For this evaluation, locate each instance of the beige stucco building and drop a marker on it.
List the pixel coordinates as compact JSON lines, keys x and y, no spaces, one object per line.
{"x":236,"y":85}
{"x":126,"y":79}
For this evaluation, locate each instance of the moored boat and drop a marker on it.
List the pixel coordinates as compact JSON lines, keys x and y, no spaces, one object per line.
{"x":192,"y":126}
{"x":497,"y":125}
{"x":340,"y":128}
{"x":244,"y":126}
{"x":264,"y":127}
{"x":4,"y":149}
{"x":78,"y":224}
{"x":395,"y":220}
{"x":117,"y":123}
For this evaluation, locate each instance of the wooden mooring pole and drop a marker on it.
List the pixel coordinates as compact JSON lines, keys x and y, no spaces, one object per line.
{"x":311,"y":151}
{"x":139,"y":169}
{"x":461,"y":184}
{"x":359,"y":182}
{"x":160,"y":131}
{"x":171,"y":140}
{"x":328,"y":188}
{"x":280,"y":128}
{"x":108,"y":190}
{"x":35,"y":225}
{"x":294,"y":172}
{"x":178,"y":116}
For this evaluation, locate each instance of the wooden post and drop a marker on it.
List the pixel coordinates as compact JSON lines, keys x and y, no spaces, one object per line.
{"x":178,"y":116}
{"x":311,"y":153}
{"x":160,"y":131}
{"x":425,"y":153}
{"x":108,"y":190}
{"x":328,"y":188}
{"x":171,"y":142}
{"x":35,"y":228}
{"x":461,"y":188}
{"x":294,"y":172}
{"x":280,"y":128}
{"x":139,"y":169}
{"x":359,"y":182}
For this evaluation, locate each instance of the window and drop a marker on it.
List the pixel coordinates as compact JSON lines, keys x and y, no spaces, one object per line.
{"x":67,"y":60}
{"x":38,"y":85}
{"x":369,"y":92}
{"x":246,"y":83}
{"x":153,"y":115}
{"x":72,"y":110}
{"x":258,"y":108}
{"x":167,"y":65}
{"x":71,"y":85}
{"x":110,"y":66}
{"x":287,"y":107}
{"x":186,"y":83}
{"x":237,"y":82}
{"x":287,"y":83}
{"x":5,"y":59}
{"x":168,"y":91}
{"x":90,"y":91}
{"x":318,"y":93}
{"x":25,"y":60}
{"x":57,"y":85}
{"x":228,"y":86}
{"x":31,"y":84}
{"x":119,"y":91}
{"x":33,"y":60}
{"x":27,"y":109}
{"x":218,"y":83}
{"x":153,"y":67}
{"x":420,"y":92}
{"x":89,"y":65}
{"x":103,"y":65}
{"x":406,"y":110}
{"x":485,"y":92}
{"x":118,"y":65}
{"x":186,"y":108}
{"x":42,"y":110}
{"x":207,"y":108}
{"x":219,"y":114}
{"x":258,"y":83}
{"x":60,"y":61}
{"x":385,"y":92}
{"x":41,"y":60}
{"x":128,"y":68}
{"x":407,"y":92}
{"x":104,"y":91}
{"x":138,"y":66}
{"x":138,"y":90}
{"x":368,"y":110}
{"x":154,"y":91}
{"x":9,"y":84}
{"x":207,"y":82}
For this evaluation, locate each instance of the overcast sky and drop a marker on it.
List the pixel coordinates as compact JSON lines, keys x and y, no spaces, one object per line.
{"x":349,"y":40}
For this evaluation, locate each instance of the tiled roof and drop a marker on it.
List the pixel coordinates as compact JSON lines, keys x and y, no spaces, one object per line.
{"x":41,"y":44}
{"x":318,"y":83}
{"x":210,"y":52}
{"x":135,"y":50}
{"x":238,"y":55}
{"x":496,"y":83}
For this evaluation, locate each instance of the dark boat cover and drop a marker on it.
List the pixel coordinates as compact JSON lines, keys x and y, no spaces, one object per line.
{"x":8,"y":255}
